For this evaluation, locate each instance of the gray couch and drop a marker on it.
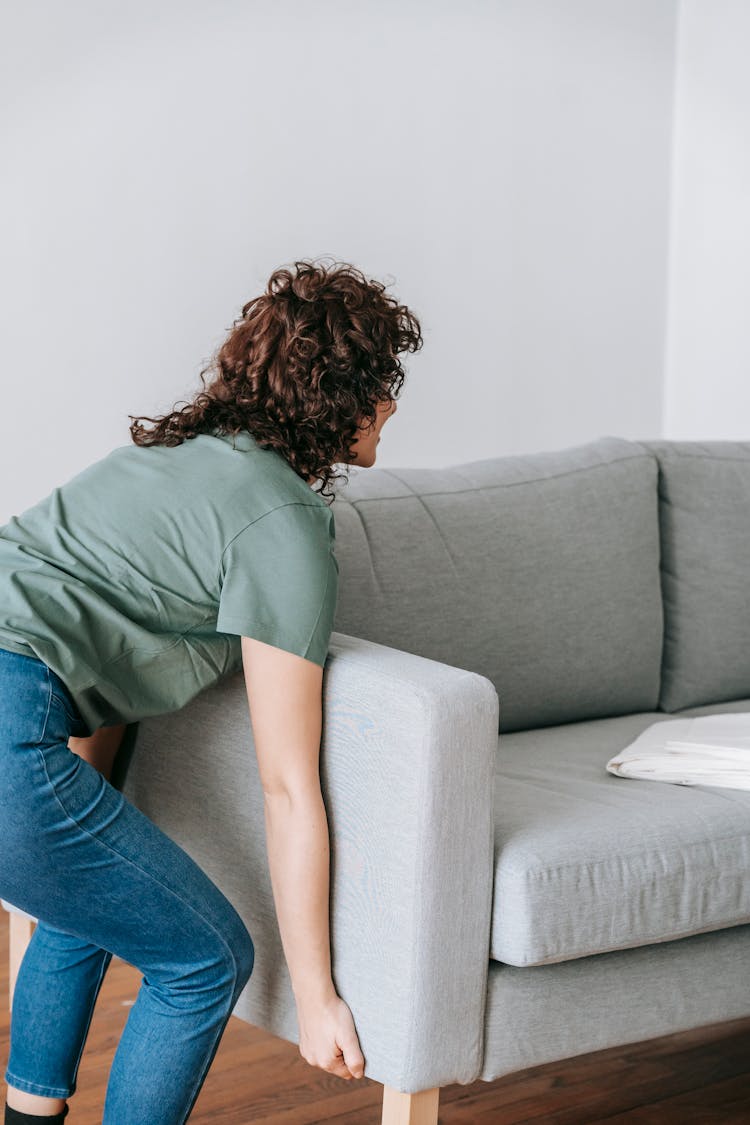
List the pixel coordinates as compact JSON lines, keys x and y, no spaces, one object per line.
{"x":501,"y":902}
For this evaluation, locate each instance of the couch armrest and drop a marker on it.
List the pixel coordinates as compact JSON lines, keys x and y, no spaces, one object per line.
{"x":408,"y":754}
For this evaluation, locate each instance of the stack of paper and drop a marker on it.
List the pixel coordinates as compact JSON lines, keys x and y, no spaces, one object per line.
{"x":706,"y":750}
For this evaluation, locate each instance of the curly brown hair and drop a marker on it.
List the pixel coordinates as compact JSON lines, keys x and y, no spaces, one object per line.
{"x":303,"y":368}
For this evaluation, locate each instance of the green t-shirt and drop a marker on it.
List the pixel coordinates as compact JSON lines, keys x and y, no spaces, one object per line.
{"x":136,"y":578}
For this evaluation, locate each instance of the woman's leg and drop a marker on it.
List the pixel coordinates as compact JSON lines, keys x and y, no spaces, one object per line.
{"x":57,"y":953}
{"x":67,"y":972}
{"x":104,"y":879}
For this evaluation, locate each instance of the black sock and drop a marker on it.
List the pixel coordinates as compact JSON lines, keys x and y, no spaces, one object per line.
{"x":15,"y":1117}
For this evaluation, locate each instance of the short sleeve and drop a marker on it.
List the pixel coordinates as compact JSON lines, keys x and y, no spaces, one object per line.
{"x":279,"y":581}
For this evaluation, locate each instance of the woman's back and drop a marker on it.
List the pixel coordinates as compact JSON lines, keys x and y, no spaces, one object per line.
{"x":135,"y":578}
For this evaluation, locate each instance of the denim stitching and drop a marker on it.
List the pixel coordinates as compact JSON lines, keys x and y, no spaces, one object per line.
{"x":34,"y":1088}
{"x":105,"y":965}
{"x":162,"y":885}
{"x":210,"y":1057}
{"x":65,"y":706}
{"x":40,"y":740}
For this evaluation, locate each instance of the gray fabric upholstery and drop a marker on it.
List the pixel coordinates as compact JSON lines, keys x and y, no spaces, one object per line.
{"x":551,"y":1012}
{"x":538,"y":579}
{"x":540,"y":572}
{"x":586,"y":862}
{"x":704,"y":501}
{"x":408,"y":752}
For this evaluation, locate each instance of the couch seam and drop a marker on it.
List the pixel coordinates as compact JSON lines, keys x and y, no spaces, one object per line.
{"x":503,"y":484}
{"x":669,"y":452}
{"x":538,"y":872}
{"x":651,"y":939}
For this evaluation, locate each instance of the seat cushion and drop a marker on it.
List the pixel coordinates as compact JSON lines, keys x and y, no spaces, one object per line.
{"x":539,"y":571}
{"x":587,"y":862}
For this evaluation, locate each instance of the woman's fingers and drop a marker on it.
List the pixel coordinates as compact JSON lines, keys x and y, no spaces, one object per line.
{"x":328,"y":1039}
{"x":353,"y":1058}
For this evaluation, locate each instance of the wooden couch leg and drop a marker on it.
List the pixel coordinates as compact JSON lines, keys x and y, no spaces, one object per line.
{"x":410,"y":1109}
{"x":21,"y":929}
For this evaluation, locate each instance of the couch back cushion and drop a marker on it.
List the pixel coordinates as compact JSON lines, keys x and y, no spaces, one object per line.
{"x":704,"y":499}
{"x":539,"y":571}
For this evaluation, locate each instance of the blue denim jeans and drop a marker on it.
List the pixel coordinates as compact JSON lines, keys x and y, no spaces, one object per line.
{"x":102,"y":879}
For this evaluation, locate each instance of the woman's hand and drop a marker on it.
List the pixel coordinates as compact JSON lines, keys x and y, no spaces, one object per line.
{"x":328,"y":1039}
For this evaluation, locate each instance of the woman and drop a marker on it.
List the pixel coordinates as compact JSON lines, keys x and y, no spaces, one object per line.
{"x":198,"y":549}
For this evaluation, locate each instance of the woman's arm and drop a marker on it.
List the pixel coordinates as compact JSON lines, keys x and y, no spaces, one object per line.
{"x":284,"y":694}
{"x":100,"y":748}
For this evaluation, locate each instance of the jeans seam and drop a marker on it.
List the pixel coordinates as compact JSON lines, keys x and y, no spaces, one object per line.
{"x":35,"y":1088}
{"x":105,"y":965}
{"x":202,"y":1076}
{"x":63,"y":703}
{"x":46,"y":714}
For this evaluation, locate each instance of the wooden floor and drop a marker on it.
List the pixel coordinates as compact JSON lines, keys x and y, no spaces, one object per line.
{"x":699,"y":1077}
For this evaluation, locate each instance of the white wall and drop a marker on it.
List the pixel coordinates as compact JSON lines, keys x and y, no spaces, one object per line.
{"x":707,"y":384}
{"x":504,"y":166}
